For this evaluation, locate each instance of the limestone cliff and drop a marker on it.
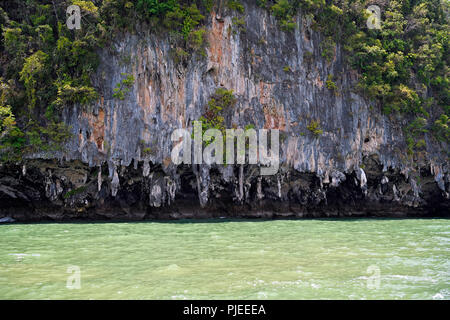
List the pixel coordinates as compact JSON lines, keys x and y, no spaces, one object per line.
{"x":118,"y":165}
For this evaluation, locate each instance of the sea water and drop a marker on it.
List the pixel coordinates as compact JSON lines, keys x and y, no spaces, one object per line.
{"x":227,"y":259}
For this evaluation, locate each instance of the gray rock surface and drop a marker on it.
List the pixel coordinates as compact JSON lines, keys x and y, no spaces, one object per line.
{"x":279,"y":80}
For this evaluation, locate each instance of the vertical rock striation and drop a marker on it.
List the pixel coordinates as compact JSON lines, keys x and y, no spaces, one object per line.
{"x":118,"y":165}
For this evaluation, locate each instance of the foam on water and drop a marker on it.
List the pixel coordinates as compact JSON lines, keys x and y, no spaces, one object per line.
{"x":295,"y":259}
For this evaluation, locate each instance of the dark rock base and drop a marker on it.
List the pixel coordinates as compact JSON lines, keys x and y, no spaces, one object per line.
{"x":48,"y":190}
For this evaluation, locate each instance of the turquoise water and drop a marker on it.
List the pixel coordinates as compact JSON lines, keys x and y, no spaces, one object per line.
{"x":282,"y":259}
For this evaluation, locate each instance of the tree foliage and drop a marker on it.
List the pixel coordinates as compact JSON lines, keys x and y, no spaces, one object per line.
{"x":46,"y":67}
{"x":404,"y":65}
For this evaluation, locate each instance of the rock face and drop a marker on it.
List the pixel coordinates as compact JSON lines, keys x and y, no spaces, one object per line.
{"x":118,"y":163}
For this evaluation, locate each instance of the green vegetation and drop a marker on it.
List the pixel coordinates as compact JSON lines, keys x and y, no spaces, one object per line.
{"x":442,"y":128}
{"x":284,"y":11}
{"x":124,"y":86}
{"x":238,"y":24}
{"x":47,"y":68}
{"x":249,"y":127}
{"x":236,"y":5}
{"x":181,"y":18}
{"x":331,"y":85}
{"x":327,"y":49}
{"x":146,"y":151}
{"x":7,"y":119}
{"x":75,"y":192}
{"x":314,"y":128}
{"x":413,"y":133}
{"x":404,"y":66}
{"x":213,"y":118}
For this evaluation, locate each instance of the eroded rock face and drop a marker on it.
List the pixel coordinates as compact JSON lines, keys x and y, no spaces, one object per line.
{"x":244,"y":194}
{"x":118,"y":163}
